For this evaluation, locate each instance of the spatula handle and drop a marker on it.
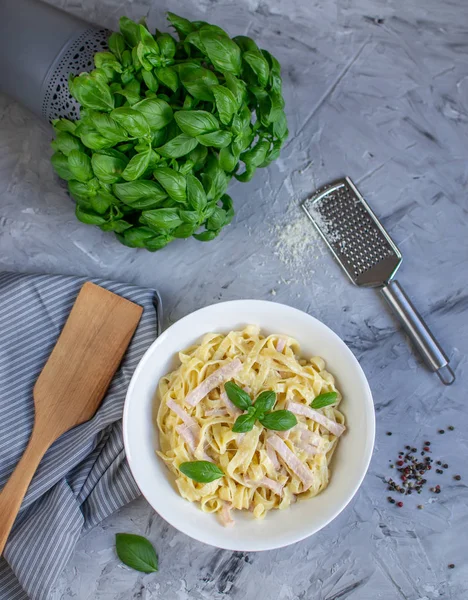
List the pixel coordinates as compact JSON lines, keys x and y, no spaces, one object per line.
{"x":418,"y":331}
{"x":16,"y":487}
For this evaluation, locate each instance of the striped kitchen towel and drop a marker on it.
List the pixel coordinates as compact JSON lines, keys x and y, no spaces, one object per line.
{"x":84,"y":477}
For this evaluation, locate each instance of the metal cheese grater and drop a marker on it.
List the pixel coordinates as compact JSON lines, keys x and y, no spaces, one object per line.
{"x":370,"y":258}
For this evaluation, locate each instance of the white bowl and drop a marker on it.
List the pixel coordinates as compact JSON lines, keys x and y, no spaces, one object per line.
{"x":279,"y":528}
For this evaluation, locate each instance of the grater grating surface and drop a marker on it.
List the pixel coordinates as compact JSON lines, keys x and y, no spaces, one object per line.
{"x":353,"y":233}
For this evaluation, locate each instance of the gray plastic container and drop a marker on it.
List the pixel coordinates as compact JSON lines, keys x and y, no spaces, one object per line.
{"x":39,"y":47}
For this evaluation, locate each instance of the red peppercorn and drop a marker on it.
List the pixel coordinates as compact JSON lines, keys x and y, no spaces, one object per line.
{"x":399,"y":504}
{"x":403,"y":478}
{"x":426,"y":449}
{"x":400,"y":463}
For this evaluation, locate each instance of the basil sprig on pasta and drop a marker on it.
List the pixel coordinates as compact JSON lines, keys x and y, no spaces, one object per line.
{"x":261,"y":410}
{"x":325,"y":399}
{"x":201,"y":471}
{"x":164,"y":126}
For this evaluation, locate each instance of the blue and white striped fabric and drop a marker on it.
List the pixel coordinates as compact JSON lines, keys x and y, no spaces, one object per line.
{"x":84,"y":477}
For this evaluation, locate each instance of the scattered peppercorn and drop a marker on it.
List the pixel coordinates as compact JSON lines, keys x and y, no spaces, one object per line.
{"x":439,"y":471}
{"x":413,"y":450}
{"x":420,"y":506}
{"x":451,"y":427}
{"x":438,"y":462}
{"x":445,"y":465}
{"x":457,"y":477}
{"x":389,"y":433}
{"x":441,"y":431}
{"x":426,"y":448}
{"x":399,"y":504}
{"x":451,"y":566}
{"x":427,"y":443}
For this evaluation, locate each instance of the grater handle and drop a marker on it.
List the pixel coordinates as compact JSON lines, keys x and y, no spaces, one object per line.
{"x":418,"y":331}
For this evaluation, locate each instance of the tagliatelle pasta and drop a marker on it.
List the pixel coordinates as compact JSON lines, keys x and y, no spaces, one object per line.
{"x":263,"y":469}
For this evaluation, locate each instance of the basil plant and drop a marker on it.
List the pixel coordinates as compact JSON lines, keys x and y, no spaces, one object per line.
{"x":164,"y":126}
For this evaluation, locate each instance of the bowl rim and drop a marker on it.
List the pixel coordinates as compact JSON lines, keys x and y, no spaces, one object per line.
{"x":370,"y":436}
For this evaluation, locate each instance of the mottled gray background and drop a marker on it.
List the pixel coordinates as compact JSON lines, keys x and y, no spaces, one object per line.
{"x":378,"y":90}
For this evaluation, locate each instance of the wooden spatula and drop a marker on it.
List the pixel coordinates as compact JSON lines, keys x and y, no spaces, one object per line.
{"x":73,"y":382}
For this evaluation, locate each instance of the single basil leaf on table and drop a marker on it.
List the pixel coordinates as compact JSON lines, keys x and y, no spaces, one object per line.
{"x":181,"y":25}
{"x":108,"y":168}
{"x":66,"y":142}
{"x":168,"y":77}
{"x":237,"y":395}
{"x":215,"y":139}
{"x":60,"y":165}
{"x":91,"y":93}
{"x":226,"y":103}
{"x":201,"y":471}
{"x":279,"y":420}
{"x":196,"y":195}
{"x":132,"y":121}
{"x":88,"y":216}
{"x":130,"y":31}
{"x":244,"y":423}
{"x":323,"y":400}
{"x":196,"y":122}
{"x":137,"y":190}
{"x":197,"y":81}
{"x":259,"y":66}
{"x":265,"y":401}
{"x":79,"y":164}
{"x":117,"y":46}
{"x":161,"y":218}
{"x":224,"y":54}
{"x":174,"y":183}
{"x":137,"y":165}
{"x":178,"y":146}
{"x":136,"y":552}
{"x":157,"y":112}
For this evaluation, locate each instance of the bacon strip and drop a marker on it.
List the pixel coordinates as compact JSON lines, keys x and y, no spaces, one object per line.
{"x":180,"y":412}
{"x":213,"y":381}
{"x":188,"y":435}
{"x":271,"y":484}
{"x":291,"y":460}
{"x":225,"y":515}
{"x":332,"y":426}
{"x":215,"y":412}
{"x":280,"y":345}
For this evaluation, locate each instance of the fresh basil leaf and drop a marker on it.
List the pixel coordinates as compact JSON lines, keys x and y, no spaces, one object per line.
{"x":137,"y":237}
{"x":206,"y":236}
{"x":137,"y":165}
{"x":126,"y":63}
{"x":178,"y":146}
{"x":119,"y":226}
{"x":60,"y":164}
{"x":66,"y":142}
{"x":100,"y":202}
{"x":134,"y":191}
{"x":186,"y":167}
{"x":279,"y":420}
{"x":216,"y":220}
{"x":150,"y":81}
{"x":237,"y":87}
{"x":256,"y":155}
{"x":168,"y":77}
{"x":116,"y":43}
{"x":196,"y":122}
{"x":189,"y":216}
{"x":237,"y":395}
{"x":265,"y":401}
{"x":196,"y":195}
{"x":80,"y":191}
{"x":228,"y":208}
{"x":198,"y":156}
{"x":136,"y":552}
{"x":79,"y":164}
{"x":157,"y":112}
{"x":174,"y":183}
{"x":184,"y":231}
{"x":93,"y":140}
{"x":323,"y":400}
{"x":244,"y":423}
{"x":227,"y":160}
{"x":91,"y":93}
{"x":132,"y":120}
{"x":247,"y":174}
{"x":130,"y":31}
{"x":197,"y":81}
{"x":161,"y":218}
{"x":242,"y":141}
{"x":280,"y":127}
{"x":167,"y":45}
{"x":88,"y":216}
{"x":108,"y":168}
{"x":215,"y":139}
{"x":194,"y":39}
{"x":158,"y":242}
{"x":224,"y":54}
{"x":108,"y":127}
{"x":64,"y":125}
{"x":226,"y":103}
{"x":215,"y":180}
{"x":246,"y":44}
{"x":181,"y":25}
{"x":201,"y":471}
{"x":259,"y":66}
{"x":107,"y":60}
{"x":131,"y":92}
